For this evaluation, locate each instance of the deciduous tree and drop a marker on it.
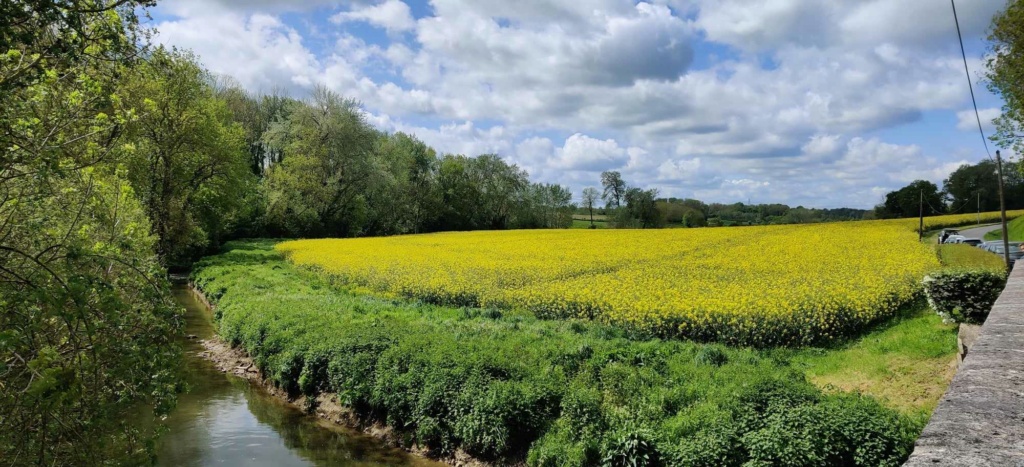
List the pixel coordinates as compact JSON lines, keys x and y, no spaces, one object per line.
{"x":86,"y":328}
{"x":614,"y":188}
{"x":590,"y":196}
{"x":187,"y":158}
{"x":1005,"y":73}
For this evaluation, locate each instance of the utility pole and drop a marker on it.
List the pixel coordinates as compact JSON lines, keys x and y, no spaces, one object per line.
{"x":920,"y":226}
{"x":1002,"y":210}
{"x":979,"y":207}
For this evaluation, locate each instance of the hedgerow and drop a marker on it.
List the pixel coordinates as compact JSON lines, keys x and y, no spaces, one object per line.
{"x":968,"y":285}
{"x":507,"y":386}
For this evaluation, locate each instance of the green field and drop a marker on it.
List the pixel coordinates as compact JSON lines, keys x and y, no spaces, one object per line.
{"x":580,"y":224}
{"x":582,"y":221}
{"x":505,"y":385}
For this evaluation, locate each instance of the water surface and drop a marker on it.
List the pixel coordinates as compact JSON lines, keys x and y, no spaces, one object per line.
{"x":224,"y":420}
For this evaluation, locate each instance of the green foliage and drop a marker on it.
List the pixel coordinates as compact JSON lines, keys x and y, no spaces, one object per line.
{"x":964,"y":295}
{"x":614,"y":189}
{"x":481,"y":193}
{"x":552,"y":392}
{"x":187,"y":159}
{"x":968,"y":285}
{"x":329,"y":173}
{"x":86,"y":327}
{"x":40,"y":36}
{"x":640,"y":211}
{"x":1005,"y":63}
{"x":841,"y":430}
{"x":86,"y":332}
{"x":975,"y":186}
{"x":319,"y":187}
{"x":909,"y":200}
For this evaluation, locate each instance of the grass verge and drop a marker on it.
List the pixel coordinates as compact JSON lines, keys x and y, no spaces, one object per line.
{"x":906,"y":362}
{"x":1014,"y":228}
{"x":507,"y":386}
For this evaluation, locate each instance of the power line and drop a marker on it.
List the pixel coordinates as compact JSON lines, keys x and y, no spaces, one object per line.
{"x":969,"y":84}
{"x":999,"y":160}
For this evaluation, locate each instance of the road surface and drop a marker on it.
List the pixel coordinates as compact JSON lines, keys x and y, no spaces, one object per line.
{"x":978,"y":232}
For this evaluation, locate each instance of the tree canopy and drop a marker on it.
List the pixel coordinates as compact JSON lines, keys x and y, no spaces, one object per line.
{"x":1005,"y":73}
{"x":909,"y":201}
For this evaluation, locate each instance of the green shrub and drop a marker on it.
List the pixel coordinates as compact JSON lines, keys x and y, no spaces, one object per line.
{"x":515,"y":388}
{"x":964,"y":295}
{"x":843,"y":430}
{"x":711,"y":354}
{"x":634,"y":447}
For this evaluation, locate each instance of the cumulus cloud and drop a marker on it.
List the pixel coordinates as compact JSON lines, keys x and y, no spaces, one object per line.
{"x":720,"y":99}
{"x":581,"y":152}
{"x":966,"y":120}
{"x":680,"y":169}
{"x":771,"y":24}
{"x":392,"y":15}
{"x":648,"y":43}
{"x":258,"y":50}
{"x":821,"y":145}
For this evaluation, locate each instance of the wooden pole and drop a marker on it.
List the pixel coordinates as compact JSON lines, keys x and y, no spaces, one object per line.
{"x":1002,"y":210}
{"x":920,"y":226}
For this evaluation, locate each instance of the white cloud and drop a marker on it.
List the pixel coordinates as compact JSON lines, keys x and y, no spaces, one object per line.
{"x":391,"y":15}
{"x":193,"y":8}
{"x":681,"y":169}
{"x":258,"y":50}
{"x":821,"y":145}
{"x":581,"y":152}
{"x":777,"y":112}
{"x":968,"y":121}
{"x":771,"y":24}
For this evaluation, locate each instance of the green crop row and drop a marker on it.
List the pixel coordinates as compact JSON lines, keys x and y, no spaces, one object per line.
{"x":507,"y":386}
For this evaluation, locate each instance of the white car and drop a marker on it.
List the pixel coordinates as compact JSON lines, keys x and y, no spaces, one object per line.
{"x":955,"y":239}
{"x":971,"y":241}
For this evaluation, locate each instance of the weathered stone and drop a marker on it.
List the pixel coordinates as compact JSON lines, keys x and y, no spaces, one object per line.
{"x":980,"y":419}
{"x":965,"y":339}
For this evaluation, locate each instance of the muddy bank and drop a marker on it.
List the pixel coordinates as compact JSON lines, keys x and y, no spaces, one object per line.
{"x":236,"y":362}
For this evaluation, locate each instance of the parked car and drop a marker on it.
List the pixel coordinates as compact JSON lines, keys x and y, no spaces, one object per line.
{"x":954,"y":239}
{"x":946,"y":233}
{"x":971,"y":241}
{"x":1015,"y":250}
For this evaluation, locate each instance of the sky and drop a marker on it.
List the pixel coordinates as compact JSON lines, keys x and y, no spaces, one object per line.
{"x":820,"y":103}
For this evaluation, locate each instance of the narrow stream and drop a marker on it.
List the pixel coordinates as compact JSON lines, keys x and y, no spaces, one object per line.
{"x":226,"y":420}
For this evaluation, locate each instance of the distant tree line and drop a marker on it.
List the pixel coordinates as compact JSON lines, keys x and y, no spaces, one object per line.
{"x":318,"y":169}
{"x":626,"y":206}
{"x":970,"y":188}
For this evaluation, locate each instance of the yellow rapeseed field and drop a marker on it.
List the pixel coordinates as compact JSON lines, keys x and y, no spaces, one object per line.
{"x":764,"y":285}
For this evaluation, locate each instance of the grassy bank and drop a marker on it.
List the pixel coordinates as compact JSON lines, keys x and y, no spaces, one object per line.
{"x":505,"y":385}
{"x":906,"y":362}
{"x":1014,"y":228}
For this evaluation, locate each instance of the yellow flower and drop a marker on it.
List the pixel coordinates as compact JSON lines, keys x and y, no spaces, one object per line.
{"x":765,"y":285}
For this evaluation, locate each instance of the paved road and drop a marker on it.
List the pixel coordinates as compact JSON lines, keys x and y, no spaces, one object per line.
{"x":978,"y":232}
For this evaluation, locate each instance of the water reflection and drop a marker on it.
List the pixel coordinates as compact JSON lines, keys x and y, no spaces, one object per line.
{"x":225,"y":420}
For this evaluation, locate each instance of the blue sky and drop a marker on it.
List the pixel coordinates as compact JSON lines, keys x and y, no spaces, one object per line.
{"x":822,"y":103}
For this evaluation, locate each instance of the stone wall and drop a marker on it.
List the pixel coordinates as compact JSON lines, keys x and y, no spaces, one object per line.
{"x":980,"y":419}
